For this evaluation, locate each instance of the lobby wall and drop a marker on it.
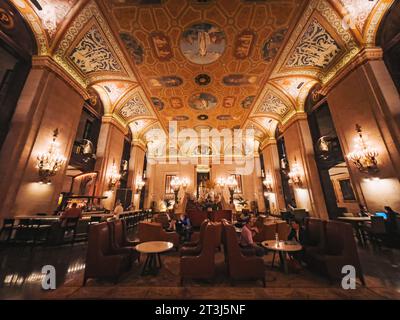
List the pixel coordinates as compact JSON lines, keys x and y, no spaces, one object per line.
{"x":46,"y":103}
{"x":368,"y":97}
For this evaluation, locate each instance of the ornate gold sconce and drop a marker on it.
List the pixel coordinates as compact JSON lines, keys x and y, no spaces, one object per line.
{"x":364,"y":156}
{"x":51,"y":161}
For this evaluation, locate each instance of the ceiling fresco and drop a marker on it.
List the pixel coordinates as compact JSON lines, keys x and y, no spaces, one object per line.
{"x":219,"y":64}
{"x":205,"y":58}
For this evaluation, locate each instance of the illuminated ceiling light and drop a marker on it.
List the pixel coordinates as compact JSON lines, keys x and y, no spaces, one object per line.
{"x":364,"y":156}
{"x":51,"y":161}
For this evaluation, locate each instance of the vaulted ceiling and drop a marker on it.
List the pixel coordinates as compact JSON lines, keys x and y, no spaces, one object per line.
{"x":217,"y":63}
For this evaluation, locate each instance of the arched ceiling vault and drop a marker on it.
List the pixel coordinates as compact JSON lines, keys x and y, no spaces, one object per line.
{"x":262,"y":58}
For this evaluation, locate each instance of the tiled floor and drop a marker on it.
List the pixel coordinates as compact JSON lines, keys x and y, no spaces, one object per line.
{"x":20,"y":278}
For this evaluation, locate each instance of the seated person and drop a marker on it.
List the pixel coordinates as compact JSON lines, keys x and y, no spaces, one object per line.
{"x":73,"y":212}
{"x":296,"y":232}
{"x":183,"y":227}
{"x":243,"y":218}
{"x":391,"y":224}
{"x":246,"y":240}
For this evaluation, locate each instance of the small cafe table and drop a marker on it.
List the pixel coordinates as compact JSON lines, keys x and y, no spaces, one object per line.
{"x":282,"y":247}
{"x":153,"y":249}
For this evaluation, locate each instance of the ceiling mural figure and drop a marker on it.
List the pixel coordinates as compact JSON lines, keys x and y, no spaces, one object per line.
{"x":134,"y":48}
{"x":202,"y":101}
{"x":203,"y":43}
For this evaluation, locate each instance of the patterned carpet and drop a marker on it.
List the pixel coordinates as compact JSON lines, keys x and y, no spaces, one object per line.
{"x":303,"y":285}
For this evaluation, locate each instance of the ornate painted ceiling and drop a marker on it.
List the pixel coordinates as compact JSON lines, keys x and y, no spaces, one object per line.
{"x":216,"y":63}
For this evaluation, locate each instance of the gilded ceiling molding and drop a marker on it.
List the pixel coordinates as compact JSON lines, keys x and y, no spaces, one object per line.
{"x":374,"y":20}
{"x":296,"y":117}
{"x":49,"y":63}
{"x":134,"y":106}
{"x":365,"y":55}
{"x":267,"y":142}
{"x":36,"y":25}
{"x":273,"y":103}
{"x":101,"y":38}
{"x":328,"y":19}
{"x":116,"y":122}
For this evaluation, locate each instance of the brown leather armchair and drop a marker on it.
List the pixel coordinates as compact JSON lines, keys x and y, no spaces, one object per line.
{"x":119,"y":242}
{"x":314,"y":241}
{"x":153,"y":231}
{"x":162,"y":218}
{"x":240,"y":267}
{"x":100,"y":261}
{"x":219,"y":215}
{"x":197,"y":217}
{"x":201,"y":266}
{"x":340,"y":250}
{"x":266,"y":232}
{"x":194,"y":248}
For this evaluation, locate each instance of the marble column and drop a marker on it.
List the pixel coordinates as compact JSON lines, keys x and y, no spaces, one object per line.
{"x":109,"y":151}
{"x":47,"y":102}
{"x":299,"y":148}
{"x":136,"y":162}
{"x":368,"y":97}
{"x":271,"y":166}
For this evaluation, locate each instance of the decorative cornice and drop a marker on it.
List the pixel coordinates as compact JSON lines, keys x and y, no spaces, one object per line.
{"x":296,"y":117}
{"x":267,"y":142}
{"x":111,"y":120}
{"x":46,"y":62}
{"x":139,"y":143}
{"x":365,"y":55}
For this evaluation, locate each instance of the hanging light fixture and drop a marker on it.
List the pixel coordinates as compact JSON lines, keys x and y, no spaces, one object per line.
{"x":51,"y":161}
{"x":221,"y":182}
{"x":115,"y":176}
{"x":268,"y":182}
{"x":364,"y":156}
{"x":295,"y":173}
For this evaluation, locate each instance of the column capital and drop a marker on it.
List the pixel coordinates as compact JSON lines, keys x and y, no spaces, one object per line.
{"x":46,"y":62}
{"x":299,"y":116}
{"x":137,"y":142}
{"x":112,"y":121}
{"x":267,"y":142}
{"x":365,"y":55}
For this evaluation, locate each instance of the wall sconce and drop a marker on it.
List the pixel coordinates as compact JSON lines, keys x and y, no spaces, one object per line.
{"x":139,"y":184}
{"x":176,"y":184}
{"x":115,"y":176}
{"x":232,"y":184}
{"x":268,"y":182}
{"x":51,"y":161}
{"x":295,"y":174}
{"x":221,"y":182}
{"x":364,"y":157}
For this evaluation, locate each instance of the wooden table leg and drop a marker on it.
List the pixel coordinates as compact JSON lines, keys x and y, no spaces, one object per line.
{"x":283,"y":261}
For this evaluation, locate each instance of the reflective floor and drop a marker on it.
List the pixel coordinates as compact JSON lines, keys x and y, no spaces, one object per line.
{"x":21,"y":277}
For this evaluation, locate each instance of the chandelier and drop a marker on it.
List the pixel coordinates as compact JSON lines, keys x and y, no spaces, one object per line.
{"x":51,"y":161}
{"x":114,"y":177}
{"x":364,"y":156}
{"x":268,"y":182}
{"x":295,"y":174}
